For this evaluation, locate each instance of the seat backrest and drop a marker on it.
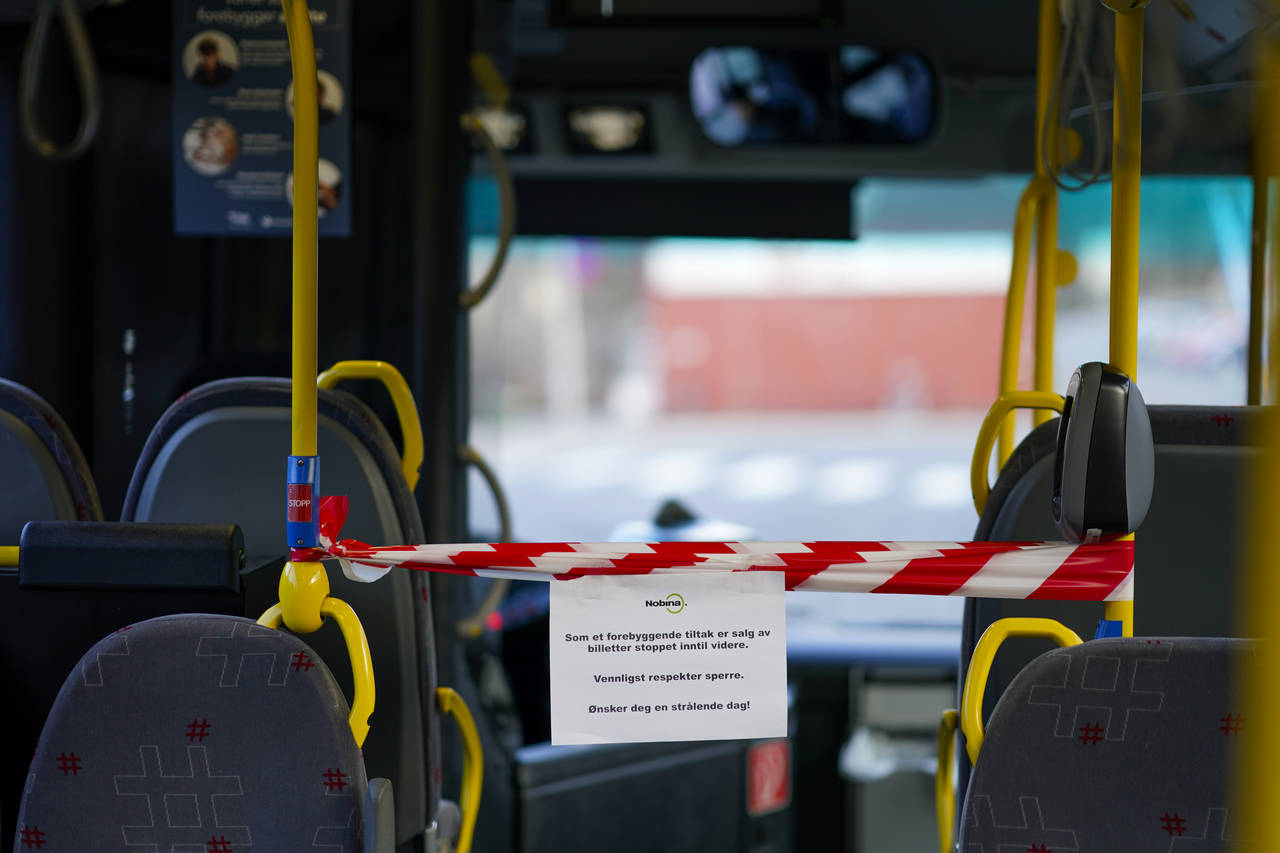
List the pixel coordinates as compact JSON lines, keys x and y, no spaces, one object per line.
{"x":196,"y":732}
{"x":1184,"y":584}
{"x":1118,"y":744}
{"x":218,"y":454}
{"x":80,"y":580}
{"x":46,"y":477}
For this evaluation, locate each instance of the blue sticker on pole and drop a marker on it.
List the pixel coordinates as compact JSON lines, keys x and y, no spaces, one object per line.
{"x":302,"y":494}
{"x":233,"y":117}
{"x":1109,"y":628}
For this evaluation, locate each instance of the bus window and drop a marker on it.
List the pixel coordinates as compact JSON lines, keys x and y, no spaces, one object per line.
{"x":799,"y":389}
{"x":818,"y":389}
{"x":1194,"y":323}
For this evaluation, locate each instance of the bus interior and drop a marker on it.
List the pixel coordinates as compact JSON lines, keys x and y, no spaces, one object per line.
{"x":635,"y":271}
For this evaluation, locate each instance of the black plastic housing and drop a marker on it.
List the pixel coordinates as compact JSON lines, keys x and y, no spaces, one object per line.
{"x":1104,"y":471}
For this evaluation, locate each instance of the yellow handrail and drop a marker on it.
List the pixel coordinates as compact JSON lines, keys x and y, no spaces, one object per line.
{"x":8,"y":555}
{"x":401,"y":396}
{"x":1001,"y":409}
{"x":473,"y":626}
{"x":944,"y":781}
{"x":365,"y":695}
{"x":984,"y":654}
{"x":1037,"y":212}
{"x":1048,"y":270}
{"x":1126,"y":220}
{"x":1257,"y":785}
{"x":306,"y":159}
{"x":472,"y":763}
{"x":1048,"y":46}
{"x":1023,"y":224}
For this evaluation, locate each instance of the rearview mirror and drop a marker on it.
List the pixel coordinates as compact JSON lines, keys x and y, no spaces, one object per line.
{"x":752,"y":96}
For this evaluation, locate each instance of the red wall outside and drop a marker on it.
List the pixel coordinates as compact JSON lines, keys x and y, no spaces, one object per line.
{"x":925,"y":351}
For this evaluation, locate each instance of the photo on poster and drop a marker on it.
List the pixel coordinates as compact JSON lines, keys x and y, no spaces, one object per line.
{"x":328,"y":190}
{"x":210,"y":58}
{"x":210,"y":145}
{"x":330,"y":93}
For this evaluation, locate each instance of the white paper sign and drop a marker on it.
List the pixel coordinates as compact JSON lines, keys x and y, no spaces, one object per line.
{"x":668,"y":657}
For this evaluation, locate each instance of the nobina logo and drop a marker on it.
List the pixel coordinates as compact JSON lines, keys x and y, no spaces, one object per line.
{"x":674,"y":602}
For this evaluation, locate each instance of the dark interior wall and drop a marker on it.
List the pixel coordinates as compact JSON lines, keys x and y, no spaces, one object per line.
{"x":45,"y":324}
{"x":994,"y":38}
{"x":89,"y":258}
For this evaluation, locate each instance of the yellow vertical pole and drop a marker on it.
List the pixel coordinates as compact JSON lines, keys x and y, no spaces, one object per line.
{"x":306,"y":122}
{"x":1257,"y":785}
{"x":1046,"y":293}
{"x":1049,"y":44}
{"x":1037,"y":215}
{"x":304,"y":584}
{"x":1259,"y":279}
{"x":1023,"y":223}
{"x":1126,"y":195}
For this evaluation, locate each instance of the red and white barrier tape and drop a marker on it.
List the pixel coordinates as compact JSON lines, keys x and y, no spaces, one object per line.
{"x":1046,"y":570}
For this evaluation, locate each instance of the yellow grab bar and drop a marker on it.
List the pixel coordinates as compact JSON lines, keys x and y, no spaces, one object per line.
{"x":984,"y":654}
{"x":486,"y":73}
{"x":991,"y":426}
{"x":361,"y":665}
{"x":33,"y":60}
{"x":8,"y":555}
{"x":1053,"y":264}
{"x":401,"y":396}
{"x":472,"y":297}
{"x":473,"y":625}
{"x":944,"y":781}
{"x":1037,"y":212}
{"x":472,"y":763}
{"x":1023,"y":225}
{"x":304,"y":602}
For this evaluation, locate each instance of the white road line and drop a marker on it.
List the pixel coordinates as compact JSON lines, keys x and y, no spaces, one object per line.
{"x":767,"y":477}
{"x":854,"y":481}
{"x":940,"y":486}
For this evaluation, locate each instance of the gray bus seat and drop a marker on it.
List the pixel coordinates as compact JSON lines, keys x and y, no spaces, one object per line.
{"x":200,"y":732}
{"x":78,"y":581}
{"x":218,"y":454}
{"x":1116,"y":744}
{"x":1184,"y":585}
{"x":45,"y":475}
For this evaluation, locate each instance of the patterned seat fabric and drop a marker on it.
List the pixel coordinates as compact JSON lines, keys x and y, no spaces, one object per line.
{"x":1112,"y":745}
{"x":231,"y":437}
{"x":1188,"y":585}
{"x":196,"y":734}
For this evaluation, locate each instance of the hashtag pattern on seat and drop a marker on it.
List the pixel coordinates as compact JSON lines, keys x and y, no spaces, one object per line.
{"x":1187,"y":585}
{"x":196,"y":733}
{"x":231,"y":437}
{"x":1117,"y":744}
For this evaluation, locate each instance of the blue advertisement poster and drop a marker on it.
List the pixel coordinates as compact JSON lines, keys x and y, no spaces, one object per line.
{"x":233,"y":117}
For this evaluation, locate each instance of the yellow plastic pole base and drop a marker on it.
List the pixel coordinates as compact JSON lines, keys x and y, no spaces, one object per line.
{"x":304,"y":604}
